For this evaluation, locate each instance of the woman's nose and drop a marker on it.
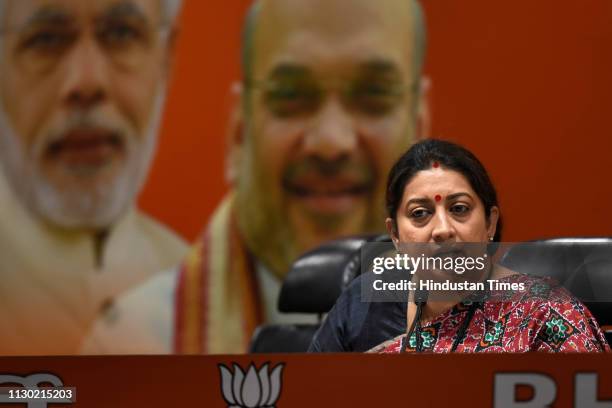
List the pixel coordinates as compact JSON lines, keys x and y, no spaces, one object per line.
{"x":443,"y":229}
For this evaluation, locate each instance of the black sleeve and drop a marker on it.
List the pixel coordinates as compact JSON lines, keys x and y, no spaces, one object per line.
{"x":331,"y":336}
{"x":354,"y":325}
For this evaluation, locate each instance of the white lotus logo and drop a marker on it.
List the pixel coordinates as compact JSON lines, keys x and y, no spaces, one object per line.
{"x":255,"y":389}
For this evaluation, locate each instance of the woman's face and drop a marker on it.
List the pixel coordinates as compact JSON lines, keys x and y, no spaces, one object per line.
{"x":439,"y":206}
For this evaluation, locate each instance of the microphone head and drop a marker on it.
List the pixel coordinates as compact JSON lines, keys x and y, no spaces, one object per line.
{"x":420,"y":296}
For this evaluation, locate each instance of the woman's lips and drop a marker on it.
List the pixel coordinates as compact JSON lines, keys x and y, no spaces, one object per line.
{"x":449,"y":253}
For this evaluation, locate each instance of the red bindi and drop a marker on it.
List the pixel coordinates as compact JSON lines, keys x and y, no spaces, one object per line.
{"x":436,"y":165}
{"x":438,"y":198}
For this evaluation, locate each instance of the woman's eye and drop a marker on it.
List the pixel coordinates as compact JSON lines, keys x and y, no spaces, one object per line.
{"x":460,"y":209}
{"x":419,"y":213}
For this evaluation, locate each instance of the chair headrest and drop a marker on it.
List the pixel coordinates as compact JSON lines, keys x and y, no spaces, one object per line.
{"x":581,"y":265}
{"x":316,"y":279}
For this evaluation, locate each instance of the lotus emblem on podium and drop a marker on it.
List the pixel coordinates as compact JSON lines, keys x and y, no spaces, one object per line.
{"x":255,"y":389}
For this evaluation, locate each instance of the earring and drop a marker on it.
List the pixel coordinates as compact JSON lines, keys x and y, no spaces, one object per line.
{"x":491,"y":239}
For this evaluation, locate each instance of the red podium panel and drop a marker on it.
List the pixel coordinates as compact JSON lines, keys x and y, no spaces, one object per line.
{"x":332,"y":380}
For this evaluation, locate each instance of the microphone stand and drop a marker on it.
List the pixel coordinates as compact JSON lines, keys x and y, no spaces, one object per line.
{"x":420,"y":299}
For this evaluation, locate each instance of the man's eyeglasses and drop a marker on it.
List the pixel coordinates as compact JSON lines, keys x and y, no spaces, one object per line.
{"x":297,"y":97}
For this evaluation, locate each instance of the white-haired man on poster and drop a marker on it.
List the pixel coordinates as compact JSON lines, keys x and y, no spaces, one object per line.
{"x":82,"y":86}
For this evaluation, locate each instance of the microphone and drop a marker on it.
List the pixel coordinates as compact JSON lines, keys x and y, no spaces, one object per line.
{"x":420,"y":299}
{"x":420,"y":296}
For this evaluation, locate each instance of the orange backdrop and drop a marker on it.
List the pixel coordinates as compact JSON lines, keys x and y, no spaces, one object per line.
{"x":527,"y":85}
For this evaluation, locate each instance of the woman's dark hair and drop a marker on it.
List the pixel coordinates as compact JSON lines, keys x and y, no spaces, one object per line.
{"x":422,"y":156}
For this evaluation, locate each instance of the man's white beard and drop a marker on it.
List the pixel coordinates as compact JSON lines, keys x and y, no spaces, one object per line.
{"x":74,"y":208}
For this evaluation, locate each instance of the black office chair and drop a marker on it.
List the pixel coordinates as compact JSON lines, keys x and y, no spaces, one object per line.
{"x":582,"y":265}
{"x":312,"y":286}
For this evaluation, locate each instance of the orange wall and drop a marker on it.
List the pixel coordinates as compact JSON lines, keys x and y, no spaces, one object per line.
{"x":527,"y":85}
{"x":187,"y":180}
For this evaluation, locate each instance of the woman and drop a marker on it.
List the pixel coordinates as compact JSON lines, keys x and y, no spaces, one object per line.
{"x":439,"y":193}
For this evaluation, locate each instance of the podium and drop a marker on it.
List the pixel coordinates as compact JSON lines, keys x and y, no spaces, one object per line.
{"x":324,"y":380}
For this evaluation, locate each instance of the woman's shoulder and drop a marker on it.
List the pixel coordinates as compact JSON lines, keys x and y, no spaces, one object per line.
{"x":559,"y":320}
{"x":535,"y":296}
{"x":519,"y":287}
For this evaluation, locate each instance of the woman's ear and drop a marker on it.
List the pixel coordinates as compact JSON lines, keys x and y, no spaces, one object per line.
{"x":392,"y":230}
{"x":492,"y":221}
